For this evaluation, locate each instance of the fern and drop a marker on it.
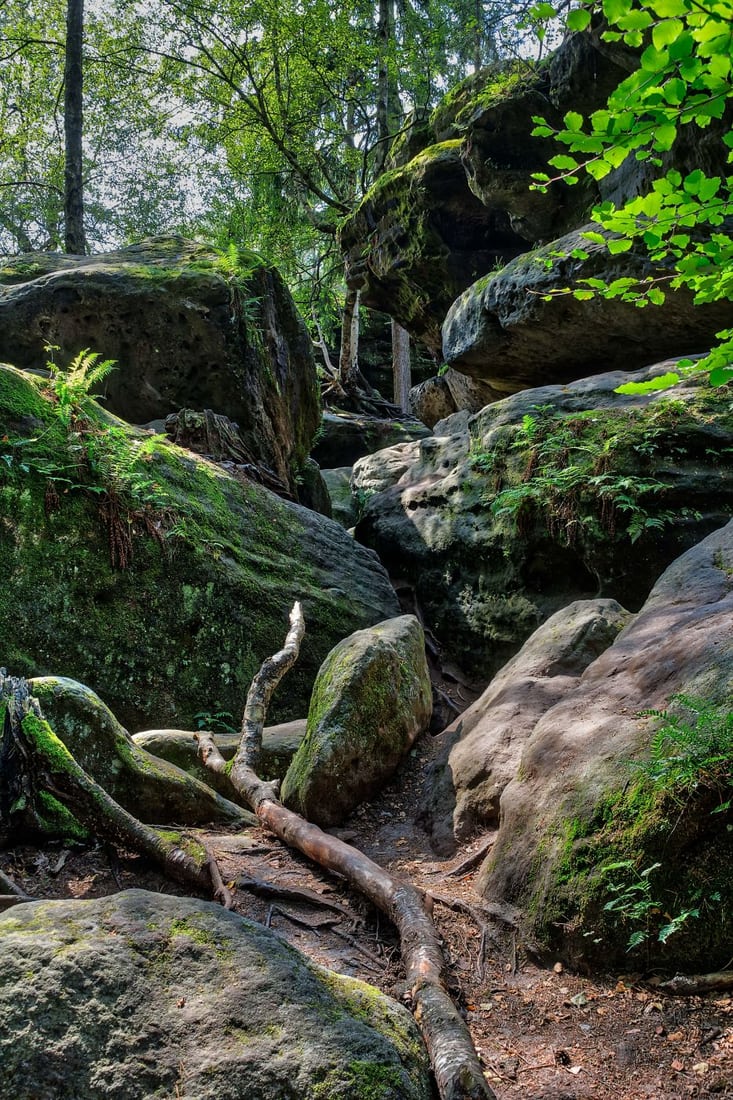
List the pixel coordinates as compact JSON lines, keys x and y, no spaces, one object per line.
{"x":72,"y":385}
{"x":691,"y":746}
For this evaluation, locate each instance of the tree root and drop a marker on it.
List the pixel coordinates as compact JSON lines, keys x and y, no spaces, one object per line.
{"x":42,"y":763}
{"x":694,"y":985}
{"x":457,"y":1070}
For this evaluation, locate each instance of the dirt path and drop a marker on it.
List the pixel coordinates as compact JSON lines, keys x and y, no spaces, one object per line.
{"x":543,"y":1034}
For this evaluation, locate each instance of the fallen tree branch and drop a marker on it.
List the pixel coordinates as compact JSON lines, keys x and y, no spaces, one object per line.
{"x":693,"y":985}
{"x":266,"y":889}
{"x":261,"y":689}
{"x":457,"y":1070}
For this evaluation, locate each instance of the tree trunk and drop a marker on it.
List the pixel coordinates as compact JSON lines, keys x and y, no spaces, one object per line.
{"x":349,"y":373}
{"x":75,"y":241}
{"x":401,"y":366}
{"x":387,"y":94}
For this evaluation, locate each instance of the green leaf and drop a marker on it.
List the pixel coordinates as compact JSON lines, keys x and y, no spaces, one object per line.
{"x":564,"y":162}
{"x":584,"y":295}
{"x":618,"y":245}
{"x":615,"y":9}
{"x":664,"y":136}
{"x":721,"y":376}
{"x":661,"y":382}
{"x":666,"y":32}
{"x":578,"y":19}
{"x":573,"y":121}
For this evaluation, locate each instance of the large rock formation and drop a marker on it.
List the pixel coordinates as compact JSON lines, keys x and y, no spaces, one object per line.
{"x":153,"y":575}
{"x":549,"y":496}
{"x":584,"y":823}
{"x":456,"y":221}
{"x":482,"y":748}
{"x":188,"y":328}
{"x":509,"y":331}
{"x":145,"y":995}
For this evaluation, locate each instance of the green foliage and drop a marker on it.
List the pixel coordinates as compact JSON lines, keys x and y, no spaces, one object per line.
{"x":579,"y":476}
{"x":683,"y":80}
{"x":216,"y":721}
{"x":71,"y":386}
{"x":633,"y":902}
{"x":691,"y":747}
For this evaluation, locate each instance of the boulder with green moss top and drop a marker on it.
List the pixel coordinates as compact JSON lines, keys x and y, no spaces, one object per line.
{"x":503,"y":330}
{"x":614,"y":831}
{"x":179,"y":747}
{"x":481,"y":749}
{"x":552,"y":495}
{"x":155,"y":576}
{"x":419,"y":238}
{"x":189,"y":327}
{"x":462,"y":205}
{"x":151,"y":789}
{"x":371,"y":700}
{"x":146,"y":995}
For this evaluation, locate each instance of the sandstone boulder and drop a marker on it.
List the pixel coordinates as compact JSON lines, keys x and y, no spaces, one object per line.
{"x":146,"y":995}
{"x":371,"y":700}
{"x":343,"y":437}
{"x":503,"y":332}
{"x":188,"y":328}
{"x":482,"y":747}
{"x":552,"y":495}
{"x":179,"y":747}
{"x":583,"y":821}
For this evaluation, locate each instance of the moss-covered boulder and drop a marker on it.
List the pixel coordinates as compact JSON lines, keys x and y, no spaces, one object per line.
{"x":188,"y":326}
{"x":419,"y":238}
{"x":146,"y":995}
{"x":552,"y":495}
{"x":153,"y":575}
{"x":151,"y":789}
{"x":618,"y":828}
{"x":343,"y":436}
{"x":371,"y":700}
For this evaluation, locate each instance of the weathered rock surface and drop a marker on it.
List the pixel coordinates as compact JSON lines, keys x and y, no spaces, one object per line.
{"x":482,"y":747}
{"x":507,"y":516}
{"x":179,"y":747}
{"x":187,"y":327}
{"x":151,"y":789}
{"x":343,"y":437}
{"x":343,"y":503}
{"x":462,"y":205}
{"x":577,"y":802}
{"x":501,"y":331}
{"x":146,"y":995}
{"x":204,"y":572}
{"x":371,"y":700}
{"x":431,"y":401}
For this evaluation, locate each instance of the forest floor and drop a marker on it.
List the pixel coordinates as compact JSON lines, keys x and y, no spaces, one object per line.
{"x":542,"y":1034}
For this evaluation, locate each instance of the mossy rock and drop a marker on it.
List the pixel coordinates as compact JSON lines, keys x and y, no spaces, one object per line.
{"x":151,"y":789}
{"x":189,"y":327}
{"x":594,"y":822}
{"x":555,"y":494}
{"x":371,"y":700}
{"x":148,"y":995}
{"x":155,"y":576}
